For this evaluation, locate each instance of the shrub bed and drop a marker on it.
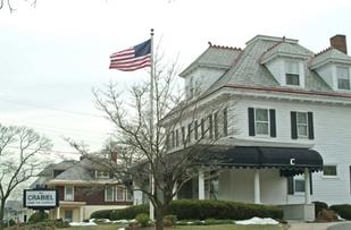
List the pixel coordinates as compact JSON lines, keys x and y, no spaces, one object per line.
{"x":199,"y":210}
{"x":319,"y":206}
{"x":343,"y":210}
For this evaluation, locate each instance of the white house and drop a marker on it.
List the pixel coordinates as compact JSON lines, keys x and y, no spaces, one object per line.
{"x":281,"y":117}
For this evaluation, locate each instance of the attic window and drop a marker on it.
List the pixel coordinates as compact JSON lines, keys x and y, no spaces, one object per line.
{"x":292,"y":76}
{"x":102,"y":174}
{"x":343,"y":75}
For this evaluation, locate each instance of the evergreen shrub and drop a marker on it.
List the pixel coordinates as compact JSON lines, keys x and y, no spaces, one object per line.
{"x":343,"y":210}
{"x":200,"y":210}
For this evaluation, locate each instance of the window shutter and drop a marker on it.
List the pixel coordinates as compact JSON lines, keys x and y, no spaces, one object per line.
{"x":273,"y":130}
{"x":290,"y":181}
{"x":251,"y":122}
{"x":310,"y":126}
{"x":293,"y":125}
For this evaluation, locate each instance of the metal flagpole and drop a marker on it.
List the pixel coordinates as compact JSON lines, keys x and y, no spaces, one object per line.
{"x":152,"y":181}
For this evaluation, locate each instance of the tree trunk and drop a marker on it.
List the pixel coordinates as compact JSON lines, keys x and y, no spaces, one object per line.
{"x":2,"y":213}
{"x":159,"y":218}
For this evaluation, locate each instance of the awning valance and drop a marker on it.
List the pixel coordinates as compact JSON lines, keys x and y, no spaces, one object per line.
{"x":291,"y":161}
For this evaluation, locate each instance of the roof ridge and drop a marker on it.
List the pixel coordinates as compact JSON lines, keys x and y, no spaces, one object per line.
{"x":271,"y":48}
{"x":224,"y":47}
{"x":323,"y":51}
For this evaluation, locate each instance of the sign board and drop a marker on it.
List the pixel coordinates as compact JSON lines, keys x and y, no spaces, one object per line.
{"x":40,"y":198}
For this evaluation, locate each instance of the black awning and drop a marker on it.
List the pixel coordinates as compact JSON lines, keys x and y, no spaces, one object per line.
{"x":291,"y":161}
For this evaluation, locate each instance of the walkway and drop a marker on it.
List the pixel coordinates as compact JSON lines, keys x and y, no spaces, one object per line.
{"x":317,"y":226}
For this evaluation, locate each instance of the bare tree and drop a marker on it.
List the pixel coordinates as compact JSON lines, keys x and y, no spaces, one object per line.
{"x":20,"y":159}
{"x":149,"y":156}
{"x":9,"y":4}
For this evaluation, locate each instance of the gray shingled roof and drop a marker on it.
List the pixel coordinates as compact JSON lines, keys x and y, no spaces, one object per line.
{"x":328,"y":55}
{"x":286,"y":49}
{"x":214,"y":57}
{"x":249,"y":71}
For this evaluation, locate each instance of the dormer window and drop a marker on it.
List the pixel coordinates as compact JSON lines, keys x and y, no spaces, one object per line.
{"x":100,"y":174}
{"x":292,"y":76}
{"x":343,"y":77}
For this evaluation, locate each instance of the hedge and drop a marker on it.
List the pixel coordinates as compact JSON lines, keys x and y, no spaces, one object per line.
{"x":199,"y":210}
{"x":319,"y":206}
{"x":344,"y":210}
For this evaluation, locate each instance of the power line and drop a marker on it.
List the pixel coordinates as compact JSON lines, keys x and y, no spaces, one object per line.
{"x":30,"y":104}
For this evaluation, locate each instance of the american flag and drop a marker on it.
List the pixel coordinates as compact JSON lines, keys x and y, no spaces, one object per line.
{"x":134,"y":58}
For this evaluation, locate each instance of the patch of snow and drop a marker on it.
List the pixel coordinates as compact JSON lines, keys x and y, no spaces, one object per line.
{"x":122,"y":229}
{"x":257,"y":221}
{"x":74,"y":224}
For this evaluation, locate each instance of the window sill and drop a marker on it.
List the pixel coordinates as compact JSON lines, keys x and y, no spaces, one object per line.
{"x":330,"y":177}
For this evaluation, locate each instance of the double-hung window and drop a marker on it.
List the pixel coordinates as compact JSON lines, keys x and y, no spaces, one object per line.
{"x":343,"y":75}
{"x":292,"y":75}
{"x":296,"y":185}
{"x":69,"y":192}
{"x":262,"y":122}
{"x":109,"y":193}
{"x":302,"y":125}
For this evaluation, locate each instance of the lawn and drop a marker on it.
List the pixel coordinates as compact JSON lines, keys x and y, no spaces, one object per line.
{"x":195,"y":227}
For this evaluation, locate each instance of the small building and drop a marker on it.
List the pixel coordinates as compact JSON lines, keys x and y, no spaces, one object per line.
{"x":84,"y":187}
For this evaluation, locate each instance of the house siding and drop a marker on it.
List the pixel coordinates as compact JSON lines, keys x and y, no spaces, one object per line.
{"x":332,"y":125}
{"x":237,"y":185}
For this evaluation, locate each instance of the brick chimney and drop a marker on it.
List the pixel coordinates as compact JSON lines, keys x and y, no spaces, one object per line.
{"x":339,"y":42}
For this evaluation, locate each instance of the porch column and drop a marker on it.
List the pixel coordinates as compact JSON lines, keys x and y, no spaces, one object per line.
{"x":307,"y":186}
{"x":81,"y":212}
{"x":58,"y":213}
{"x":257,"y":192}
{"x":175,"y":191}
{"x":201,"y":185}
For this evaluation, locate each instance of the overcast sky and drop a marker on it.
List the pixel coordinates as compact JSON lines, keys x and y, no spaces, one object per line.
{"x":51,"y":56}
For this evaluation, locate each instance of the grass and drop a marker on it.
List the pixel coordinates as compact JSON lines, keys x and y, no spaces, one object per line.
{"x":193,"y":227}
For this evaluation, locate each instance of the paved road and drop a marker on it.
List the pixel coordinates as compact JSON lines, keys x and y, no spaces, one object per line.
{"x":316,"y":226}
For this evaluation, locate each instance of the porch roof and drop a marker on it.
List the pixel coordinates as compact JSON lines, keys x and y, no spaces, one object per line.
{"x":290,"y":161}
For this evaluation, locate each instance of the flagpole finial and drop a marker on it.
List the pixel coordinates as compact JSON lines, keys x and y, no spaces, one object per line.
{"x":152,"y":31}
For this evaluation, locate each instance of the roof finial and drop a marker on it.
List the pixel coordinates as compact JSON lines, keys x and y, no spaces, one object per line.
{"x":210,"y":44}
{"x":283,"y":38}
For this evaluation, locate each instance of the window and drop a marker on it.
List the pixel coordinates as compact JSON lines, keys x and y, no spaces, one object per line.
{"x":343,"y":75}
{"x":262,"y":122}
{"x":117,"y":193}
{"x":210,"y":126}
{"x":215,"y":121}
{"x":183,"y":135}
{"x":109,"y":193}
{"x":329,"y":170}
{"x":191,"y":87}
{"x":225,"y":122}
{"x":100,"y":174}
{"x":172,"y":139}
{"x":69,"y":192}
{"x":176,"y":138}
{"x":292,"y":76}
{"x":202,"y":128}
{"x":299,"y":185}
{"x":302,"y":125}
{"x":123,"y":194}
{"x":68,"y":215}
{"x":296,"y":184}
{"x":189,"y":132}
{"x":196,"y":133}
